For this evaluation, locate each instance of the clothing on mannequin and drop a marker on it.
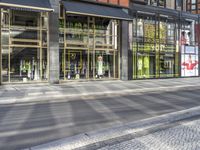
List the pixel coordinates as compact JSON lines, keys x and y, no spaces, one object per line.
{"x":140,"y":28}
{"x":100,"y":65}
{"x":146,"y":66}
{"x":139,"y":65}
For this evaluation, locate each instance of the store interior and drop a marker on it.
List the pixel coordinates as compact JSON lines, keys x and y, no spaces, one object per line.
{"x":88,"y":48}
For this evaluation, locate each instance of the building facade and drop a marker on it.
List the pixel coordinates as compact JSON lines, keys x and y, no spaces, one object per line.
{"x":193,"y":6}
{"x":67,"y":40}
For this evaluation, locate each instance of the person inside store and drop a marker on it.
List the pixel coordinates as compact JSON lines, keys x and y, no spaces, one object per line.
{"x":183,"y":38}
{"x":188,"y":41}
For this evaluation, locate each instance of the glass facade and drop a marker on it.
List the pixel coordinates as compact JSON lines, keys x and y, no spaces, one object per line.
{"x":155,"y":49}
{"x":165,"y":46}
{"x":24,"y":46}
{"x":164,"y":43}
{"x":89,"y":48}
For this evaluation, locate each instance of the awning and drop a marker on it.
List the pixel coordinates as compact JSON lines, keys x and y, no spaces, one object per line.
{"x":186,"y":15}
{"x":153,"y":9}
{"x":91,"y":9}
{"x":30,"y":5}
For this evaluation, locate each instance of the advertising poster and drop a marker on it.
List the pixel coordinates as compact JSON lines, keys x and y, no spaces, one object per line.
{"x":189,"y":61}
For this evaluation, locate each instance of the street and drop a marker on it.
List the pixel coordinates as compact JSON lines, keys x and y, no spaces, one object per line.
{"x":25,"y":125}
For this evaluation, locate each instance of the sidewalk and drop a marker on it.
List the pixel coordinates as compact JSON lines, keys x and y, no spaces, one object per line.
{"x":20,"y":93}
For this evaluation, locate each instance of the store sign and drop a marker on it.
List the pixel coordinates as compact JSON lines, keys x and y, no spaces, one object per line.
{"x":189,"y":61}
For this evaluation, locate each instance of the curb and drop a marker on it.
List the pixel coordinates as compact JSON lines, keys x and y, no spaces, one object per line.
{"x":95,"y":137}
{"x":55,"y":96}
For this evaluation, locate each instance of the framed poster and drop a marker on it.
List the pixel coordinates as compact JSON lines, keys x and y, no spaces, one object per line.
{"x":189,"y":61}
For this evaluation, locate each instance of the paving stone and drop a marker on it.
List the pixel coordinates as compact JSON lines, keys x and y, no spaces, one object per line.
{"x":185,"y":136}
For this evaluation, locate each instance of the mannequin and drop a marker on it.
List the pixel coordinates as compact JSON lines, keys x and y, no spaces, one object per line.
{"x":140,"y":64}
{"x":100,"y":66}
{"x":140,"y":28}
{"x":146,"y":66}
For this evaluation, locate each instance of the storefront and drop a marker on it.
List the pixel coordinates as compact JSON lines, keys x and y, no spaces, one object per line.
{"x":24,"y":41}
{"x":96,"y":42}
{"x":157,"y":43}
{"x":89,"y":41}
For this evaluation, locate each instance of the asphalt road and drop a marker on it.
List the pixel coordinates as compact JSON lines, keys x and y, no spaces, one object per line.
{"x":30,"y":124}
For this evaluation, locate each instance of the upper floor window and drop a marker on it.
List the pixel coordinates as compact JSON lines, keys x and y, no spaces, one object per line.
{"x":192,"y":6}
{"x":178,"y":4}
{"x":161,"y":3}
{"x":154,"y":2}
{"x":193,"y":1}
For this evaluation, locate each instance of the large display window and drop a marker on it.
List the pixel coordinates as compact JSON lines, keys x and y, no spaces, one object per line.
{"x":155,"y":51}
{"x":24,"y":46}
{"x":88,"y":48}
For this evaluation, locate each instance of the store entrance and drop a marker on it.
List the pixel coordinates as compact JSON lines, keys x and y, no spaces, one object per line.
{"x":146,"y":67}
{"x":167,"y":64}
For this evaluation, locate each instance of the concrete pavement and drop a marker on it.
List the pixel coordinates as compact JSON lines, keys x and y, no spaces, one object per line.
{"x":17,"y":93}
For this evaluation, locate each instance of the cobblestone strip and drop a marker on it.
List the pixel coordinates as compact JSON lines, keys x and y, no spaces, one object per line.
{"x":183,"y":137}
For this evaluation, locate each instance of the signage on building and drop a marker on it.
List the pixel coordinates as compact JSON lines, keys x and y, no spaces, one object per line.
{"x":189,"y":61}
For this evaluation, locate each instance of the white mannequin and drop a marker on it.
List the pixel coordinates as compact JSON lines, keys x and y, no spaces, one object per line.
{"x":100,"y":66}
{"x":140,"y":28}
